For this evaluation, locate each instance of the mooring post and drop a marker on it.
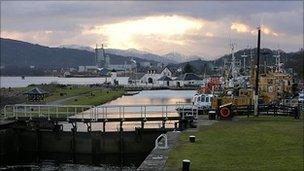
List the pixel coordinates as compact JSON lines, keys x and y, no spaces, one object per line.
{"x":175,"y":125}
{"x":164,"y":124}
{"x":104,"y":126}
{"x":89,"y":126}
{"x":186,"y":165}
{"x":120,"y":127}
{"x":142,"y":124}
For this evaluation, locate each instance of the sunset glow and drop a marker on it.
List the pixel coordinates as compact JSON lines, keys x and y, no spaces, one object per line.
{"x":121,"y":35}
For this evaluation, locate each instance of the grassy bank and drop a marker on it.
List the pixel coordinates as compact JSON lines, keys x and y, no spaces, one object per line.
{"x":96,"y":97}
{"x":85,"y":95}
{"x":264,"y":143}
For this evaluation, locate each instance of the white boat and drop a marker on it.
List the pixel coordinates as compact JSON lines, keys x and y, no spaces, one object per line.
{"x":202,"y":101}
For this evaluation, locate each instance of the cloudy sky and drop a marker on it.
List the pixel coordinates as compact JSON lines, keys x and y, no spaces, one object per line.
{"x":202,"y":28}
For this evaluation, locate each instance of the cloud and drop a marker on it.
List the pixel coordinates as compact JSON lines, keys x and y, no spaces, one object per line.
{"x":239,"y":27}
{"x":121,"y":35}
{"x":243,"y":28}
{"x":207,"y":27}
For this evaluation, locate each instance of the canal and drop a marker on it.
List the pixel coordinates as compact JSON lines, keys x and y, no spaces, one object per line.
{"x":114,"y":150}
{"x":146,"y":97}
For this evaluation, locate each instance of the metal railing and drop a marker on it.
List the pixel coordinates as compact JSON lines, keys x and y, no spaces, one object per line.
{"x":43,"y":111}
{"x":100,"y":112}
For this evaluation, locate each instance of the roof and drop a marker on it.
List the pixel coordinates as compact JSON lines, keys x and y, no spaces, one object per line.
{"x":164,"y":78}
{"x":167,"y":68}
{"x":37,"y":90}
{"x":136,"y":76}
{"x":188,"y":76}
{"x":104,"y":72}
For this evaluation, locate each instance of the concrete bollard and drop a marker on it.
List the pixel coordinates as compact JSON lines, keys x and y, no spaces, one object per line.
{"x":186,"y":165}
{"x":192,"y":138}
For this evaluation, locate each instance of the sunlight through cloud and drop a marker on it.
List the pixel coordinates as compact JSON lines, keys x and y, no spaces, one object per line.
{"x":122,"y":35}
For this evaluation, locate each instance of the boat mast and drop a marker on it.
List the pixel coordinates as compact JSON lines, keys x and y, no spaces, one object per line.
{"x":278,"y":62}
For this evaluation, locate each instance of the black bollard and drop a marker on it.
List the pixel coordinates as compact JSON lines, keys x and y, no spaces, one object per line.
{"x":192,"y":138}
{"x":186,"y":165}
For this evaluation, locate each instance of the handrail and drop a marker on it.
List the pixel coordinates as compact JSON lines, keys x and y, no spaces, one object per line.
{"x":157,"y":142}
{"x":95,"y":112}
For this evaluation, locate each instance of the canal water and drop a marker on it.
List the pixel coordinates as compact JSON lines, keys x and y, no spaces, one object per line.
{"x":146,"y":97}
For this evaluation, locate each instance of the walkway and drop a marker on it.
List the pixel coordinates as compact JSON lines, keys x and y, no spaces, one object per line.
{"x":61,"y":101}
{"x":156,"y":160}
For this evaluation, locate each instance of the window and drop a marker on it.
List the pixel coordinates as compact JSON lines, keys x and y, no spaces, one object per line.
{"x":202,"y":98}
{"x":198,"y":98}
{"x":207,"y":99}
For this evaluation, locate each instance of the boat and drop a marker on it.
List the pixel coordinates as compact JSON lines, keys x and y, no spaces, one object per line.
{"x":130,"y":93}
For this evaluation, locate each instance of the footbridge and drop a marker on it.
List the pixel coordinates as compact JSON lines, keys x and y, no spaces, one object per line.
{"x":103,"y":114}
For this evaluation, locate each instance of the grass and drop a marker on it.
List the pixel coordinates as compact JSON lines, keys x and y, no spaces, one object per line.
{"x":263,"y":143}
{"x":70,"y":92}
{"x":99,"y":97}
{"x":84,"y":95}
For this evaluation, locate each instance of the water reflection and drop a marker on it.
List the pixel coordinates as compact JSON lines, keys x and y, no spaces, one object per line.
{"x":155,"y":97}
{"x":149,"y":97}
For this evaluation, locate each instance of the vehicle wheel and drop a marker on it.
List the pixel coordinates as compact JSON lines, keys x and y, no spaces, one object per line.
{"x":225,"y":113}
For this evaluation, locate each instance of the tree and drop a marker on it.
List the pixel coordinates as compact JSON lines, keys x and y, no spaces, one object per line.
{"x":188,"y":68}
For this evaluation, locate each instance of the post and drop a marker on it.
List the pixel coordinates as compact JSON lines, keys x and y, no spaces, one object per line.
{"x":142,"y":124}
{"x":120,"y":126}
{"x":104,"y":126}
{"x":186,"y":165}
{"x":164,"y":124}
{"x":192,"y":138}
{"x":256,"y":92}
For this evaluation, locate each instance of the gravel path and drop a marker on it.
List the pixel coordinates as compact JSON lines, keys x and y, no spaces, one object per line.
{"x":61,"y":101}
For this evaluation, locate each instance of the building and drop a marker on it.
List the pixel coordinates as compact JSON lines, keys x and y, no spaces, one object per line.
{"x":153,"y":75}
{"x":93,"y":69}
{"x":165,"y":81}
{"x":36,"y":95}
{"x":102,"y":60}
{"x":188,"y":80}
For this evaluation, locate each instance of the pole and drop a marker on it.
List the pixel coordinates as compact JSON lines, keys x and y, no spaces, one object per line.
{"x":256,"y":98}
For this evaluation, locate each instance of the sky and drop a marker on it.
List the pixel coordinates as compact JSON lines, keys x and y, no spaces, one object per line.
{"x":203,"y":28}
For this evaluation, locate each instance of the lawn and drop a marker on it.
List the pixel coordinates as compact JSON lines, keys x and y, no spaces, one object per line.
{"x":263,"y":143}
{"x":96,"y":97}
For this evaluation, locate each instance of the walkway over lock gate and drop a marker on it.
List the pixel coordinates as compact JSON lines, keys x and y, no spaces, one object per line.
{"x":104,"y":113}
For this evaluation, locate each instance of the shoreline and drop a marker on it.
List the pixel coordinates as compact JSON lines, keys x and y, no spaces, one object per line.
{"x":84,"y":94}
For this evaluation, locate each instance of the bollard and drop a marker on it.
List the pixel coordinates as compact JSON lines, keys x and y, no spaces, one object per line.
{"x":211,"y":115}
{"x":192,"y":138}
{"x":186,"y":165}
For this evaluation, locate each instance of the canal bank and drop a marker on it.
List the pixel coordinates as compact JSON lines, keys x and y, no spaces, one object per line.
{"x":22,"y":143}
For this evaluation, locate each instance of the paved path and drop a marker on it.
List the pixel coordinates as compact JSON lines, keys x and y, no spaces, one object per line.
{"x":61,"y":101}
{"x":156,"y":160}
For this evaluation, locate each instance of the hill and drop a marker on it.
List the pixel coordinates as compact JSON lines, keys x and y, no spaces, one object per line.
{"x":18,"y":55}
